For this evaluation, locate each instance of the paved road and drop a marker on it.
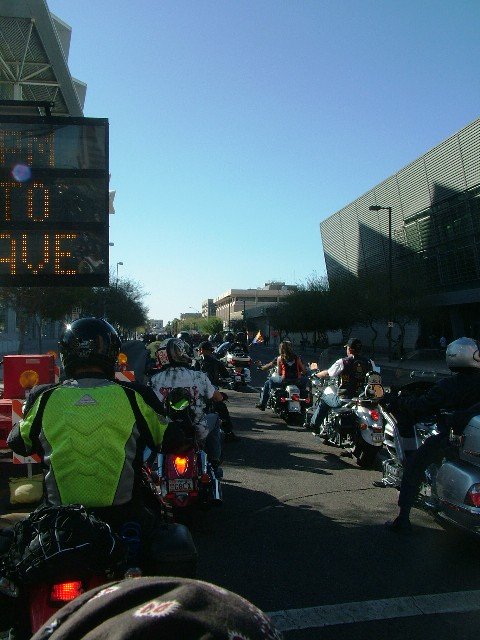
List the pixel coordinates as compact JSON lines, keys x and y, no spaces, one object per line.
{"x":301,"y":535}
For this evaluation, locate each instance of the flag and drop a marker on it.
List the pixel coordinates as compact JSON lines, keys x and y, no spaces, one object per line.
{"x":258,"y":338}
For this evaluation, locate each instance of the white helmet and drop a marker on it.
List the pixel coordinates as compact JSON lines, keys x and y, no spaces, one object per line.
{"x":463,"y":353}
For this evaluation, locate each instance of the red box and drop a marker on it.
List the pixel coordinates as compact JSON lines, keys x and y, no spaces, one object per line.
{"x":5,"y":422}
{"x":21,"y":373}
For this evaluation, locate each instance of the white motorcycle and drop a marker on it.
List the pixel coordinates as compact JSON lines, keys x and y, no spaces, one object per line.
{"x":355,"y":424}
{"x":238,"y":363}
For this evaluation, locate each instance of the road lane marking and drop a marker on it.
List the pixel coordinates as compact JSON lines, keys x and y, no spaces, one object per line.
{"x":369,"y":610}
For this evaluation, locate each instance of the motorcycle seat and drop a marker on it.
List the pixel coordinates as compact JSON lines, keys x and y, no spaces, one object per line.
{"x":9,"y":520}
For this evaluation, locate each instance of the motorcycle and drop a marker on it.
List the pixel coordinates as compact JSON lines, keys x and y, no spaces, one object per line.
{"x":60,"y":557}
{"x":56,"y":555}
{"x":316,"y":387}
{"x":238,"y":363}
{"x":183,"y":480}
{"x":355,"y":424}
{"x":451,"y":487}
{"x":287,"y":401}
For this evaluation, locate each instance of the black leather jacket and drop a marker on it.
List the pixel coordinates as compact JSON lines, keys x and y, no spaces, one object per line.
{"x":214,"y":369}
{"x":460,"y":391}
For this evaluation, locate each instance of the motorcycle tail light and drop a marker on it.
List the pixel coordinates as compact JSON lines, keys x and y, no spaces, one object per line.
{"x":296,"y":397}
{"x":375,"y":415}
{"x":66,"y":591}
{"x":473,"y":496}
{"x":363,"y":426}
{"x":181,"y":464}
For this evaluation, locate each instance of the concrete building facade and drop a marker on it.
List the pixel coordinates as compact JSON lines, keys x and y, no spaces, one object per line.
{"x":232,"y":304}
{"x":208,"y":308}
{"x":435,"y":230}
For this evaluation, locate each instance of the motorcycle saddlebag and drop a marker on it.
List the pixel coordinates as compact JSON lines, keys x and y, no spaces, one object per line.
{"x":173,"y":552}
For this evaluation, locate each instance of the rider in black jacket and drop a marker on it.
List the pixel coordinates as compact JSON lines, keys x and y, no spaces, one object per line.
{"x":216,"y":370}
{"x":459,"y":391}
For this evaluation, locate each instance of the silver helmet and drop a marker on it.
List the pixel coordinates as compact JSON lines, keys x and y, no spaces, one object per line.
{"x":462,"y":353}
{"x":172,"y":353}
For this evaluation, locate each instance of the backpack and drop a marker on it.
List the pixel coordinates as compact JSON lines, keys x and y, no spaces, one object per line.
{"x":179,"y":408}
{"x":56,"y":543}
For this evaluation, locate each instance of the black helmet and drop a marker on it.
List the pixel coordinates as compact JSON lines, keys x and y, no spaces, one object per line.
{"x":229,"y":337}
{"x":172,"y":352}
{"x":91,"y":342}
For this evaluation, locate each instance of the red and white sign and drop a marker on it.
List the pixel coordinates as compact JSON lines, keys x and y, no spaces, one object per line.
{"x":125,"y":376}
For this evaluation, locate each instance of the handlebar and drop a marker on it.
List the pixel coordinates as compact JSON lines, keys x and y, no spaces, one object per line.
{"x":423,"y":374}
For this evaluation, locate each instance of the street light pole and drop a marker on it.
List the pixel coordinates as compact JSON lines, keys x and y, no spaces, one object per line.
{"x":116,"y":281}
{"x":390,"y":276}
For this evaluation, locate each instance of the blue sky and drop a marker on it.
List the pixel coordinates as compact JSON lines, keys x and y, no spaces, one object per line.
{"x":237,"y":126}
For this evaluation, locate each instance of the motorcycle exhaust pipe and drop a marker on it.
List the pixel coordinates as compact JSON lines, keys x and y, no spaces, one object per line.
{"x":216,"y":492}
{"x":203,"y":461}
{"x":160,"y":460}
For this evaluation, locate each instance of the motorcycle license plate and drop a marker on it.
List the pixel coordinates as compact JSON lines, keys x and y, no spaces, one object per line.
{"x":377,"y":438}
{"x":180,"y":484}
{"x":294,"y":406}
{"x":238,"y":378}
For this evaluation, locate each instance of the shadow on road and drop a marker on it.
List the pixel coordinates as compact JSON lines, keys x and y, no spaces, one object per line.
{"x":282,"y":555}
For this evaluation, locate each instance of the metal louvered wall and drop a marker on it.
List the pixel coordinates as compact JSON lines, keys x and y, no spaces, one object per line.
{"x":435,"y":204}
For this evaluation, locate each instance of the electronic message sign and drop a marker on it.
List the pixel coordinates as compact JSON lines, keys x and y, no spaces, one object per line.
{"x":53,"y":201}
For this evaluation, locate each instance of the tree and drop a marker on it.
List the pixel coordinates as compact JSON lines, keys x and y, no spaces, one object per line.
{"x":40,"y":304}
{"x":211,"y":325}
{"x":305,"y":310}
{"x":122,"y":304}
